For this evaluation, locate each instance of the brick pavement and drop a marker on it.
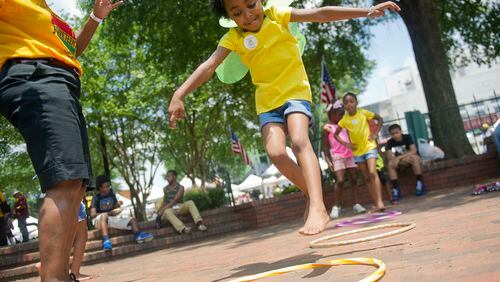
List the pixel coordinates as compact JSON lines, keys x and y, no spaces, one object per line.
{"x":457,"y":238}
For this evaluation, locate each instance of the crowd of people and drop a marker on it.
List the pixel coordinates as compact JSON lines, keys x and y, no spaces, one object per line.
{"x":350,"y":144}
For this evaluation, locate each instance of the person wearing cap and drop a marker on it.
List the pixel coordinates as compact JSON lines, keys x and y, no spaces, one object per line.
{"x":40,"y":96}
{"x":21,"y":212}
{"x":340,"y":159}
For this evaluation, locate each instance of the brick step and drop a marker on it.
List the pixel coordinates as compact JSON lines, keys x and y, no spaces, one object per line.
{"x":151,"y":225}
{"x":93,"y":234}
{"x":18,"y":259}
{"x":130,"y":248}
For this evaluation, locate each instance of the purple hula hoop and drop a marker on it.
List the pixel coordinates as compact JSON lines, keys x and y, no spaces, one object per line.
{"x":371,"y":218}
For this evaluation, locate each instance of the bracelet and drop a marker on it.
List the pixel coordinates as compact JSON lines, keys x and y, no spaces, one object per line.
{"x":372,"y":8}
{"x":95,"y":18}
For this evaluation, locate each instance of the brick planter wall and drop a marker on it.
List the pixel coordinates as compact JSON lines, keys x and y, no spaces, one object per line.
{"x":437,"y":175}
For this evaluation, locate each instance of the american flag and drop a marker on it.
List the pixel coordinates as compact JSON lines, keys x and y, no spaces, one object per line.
{"x":328,"y":91}
{"x":238,"y":148}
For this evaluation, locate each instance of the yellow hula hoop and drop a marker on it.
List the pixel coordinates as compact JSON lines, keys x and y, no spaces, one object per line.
{"x":375,"y":276}
{"x":316,"y":244}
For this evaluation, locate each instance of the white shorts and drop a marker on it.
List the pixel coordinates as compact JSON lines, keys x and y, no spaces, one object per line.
{"x":121,"y":223}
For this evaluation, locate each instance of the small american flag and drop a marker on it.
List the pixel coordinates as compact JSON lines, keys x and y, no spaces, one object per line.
{"x":238,"y":148}
{"x":328,"y":91}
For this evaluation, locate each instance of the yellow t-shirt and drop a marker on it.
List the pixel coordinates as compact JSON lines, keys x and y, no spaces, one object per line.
{"x":273,"y":58}
{"x":29,"y":29}
{"x":359,"y":130}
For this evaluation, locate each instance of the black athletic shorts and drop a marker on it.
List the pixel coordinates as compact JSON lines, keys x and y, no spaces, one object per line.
{"x":41,"y":99}
{"x":382,"y":176}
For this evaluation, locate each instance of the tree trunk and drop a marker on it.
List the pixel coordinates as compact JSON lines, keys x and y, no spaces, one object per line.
{"x":104,"y":150}
{"x":421,"y":19}
{"x":138,"y":205}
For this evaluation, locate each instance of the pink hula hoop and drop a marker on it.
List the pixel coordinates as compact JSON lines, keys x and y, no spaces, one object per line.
{"x":371,"y":218}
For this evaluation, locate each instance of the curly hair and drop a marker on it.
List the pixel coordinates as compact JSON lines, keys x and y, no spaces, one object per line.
{"x":217,"y":7}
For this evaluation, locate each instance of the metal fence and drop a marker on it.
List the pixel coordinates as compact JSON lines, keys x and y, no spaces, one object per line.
{"x":474,"y":115}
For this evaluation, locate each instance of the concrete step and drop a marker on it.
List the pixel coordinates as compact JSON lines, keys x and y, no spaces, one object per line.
{"x":130,"y":248}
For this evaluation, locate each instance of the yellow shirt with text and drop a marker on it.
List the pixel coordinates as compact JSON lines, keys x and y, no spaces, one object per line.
{"x":29,"y":29}
{"x":359,"y":130}
{"x":273,"y":58}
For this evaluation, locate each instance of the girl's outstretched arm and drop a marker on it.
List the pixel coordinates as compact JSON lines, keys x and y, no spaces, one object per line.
{"x":197,"y":78}
{"x":333,"y":13}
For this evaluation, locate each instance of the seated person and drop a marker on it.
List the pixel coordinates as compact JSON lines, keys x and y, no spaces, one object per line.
{"x":402,"y":153}
{"x":105,"y":209}
{"x":380,"y":165}
{"x":172,"y":205}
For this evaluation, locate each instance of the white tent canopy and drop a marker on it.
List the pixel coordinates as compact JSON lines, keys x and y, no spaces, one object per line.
{"x":270,"y":181}
{"x":251,"y":182}
{"x":271,"y":171}
{"x":283,"y":181}
{"x":290,"y":154}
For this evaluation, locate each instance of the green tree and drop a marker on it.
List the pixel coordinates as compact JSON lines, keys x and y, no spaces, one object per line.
{"x":124,"y":108}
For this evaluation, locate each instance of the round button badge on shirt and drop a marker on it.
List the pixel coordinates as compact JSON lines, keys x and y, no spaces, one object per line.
{"x":250,"y":42}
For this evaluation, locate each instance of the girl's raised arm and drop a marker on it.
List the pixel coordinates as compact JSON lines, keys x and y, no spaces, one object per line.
{"x":334,"y":13}
{"x":195,"y":80}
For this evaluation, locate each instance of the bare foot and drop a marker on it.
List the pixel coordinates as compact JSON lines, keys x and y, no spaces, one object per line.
{"x":316,"y":222}
{"x":377,"y":209}
{"x":38,"y":267}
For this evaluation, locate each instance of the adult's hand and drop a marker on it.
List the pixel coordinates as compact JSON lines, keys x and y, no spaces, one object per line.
{"x":102,"y":8}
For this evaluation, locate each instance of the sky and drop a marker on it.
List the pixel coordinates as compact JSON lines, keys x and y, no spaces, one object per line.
{"x":390,"y":48}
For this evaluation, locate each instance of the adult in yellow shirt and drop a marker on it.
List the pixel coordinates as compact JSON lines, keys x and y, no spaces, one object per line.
{"x":39,"y":95}
{"x":363,"y":144}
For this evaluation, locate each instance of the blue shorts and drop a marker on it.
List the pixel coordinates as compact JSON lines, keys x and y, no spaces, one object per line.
{"x":82,"y":213}
{"x":372,"y":154}
{"x":279,"y":115}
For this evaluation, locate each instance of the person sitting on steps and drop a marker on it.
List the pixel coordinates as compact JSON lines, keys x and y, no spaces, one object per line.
{"x":172,"y":205}
{"x":105,"y":209}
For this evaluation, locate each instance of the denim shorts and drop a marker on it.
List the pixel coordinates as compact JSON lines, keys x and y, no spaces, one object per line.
{"x":372,"y":154}
{"x":82,"y":213}
{"x":279,"y":115}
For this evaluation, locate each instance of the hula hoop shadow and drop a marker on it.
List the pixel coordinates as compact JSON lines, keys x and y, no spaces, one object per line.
{"x":316,"y":244}
{"x":375,"y":276}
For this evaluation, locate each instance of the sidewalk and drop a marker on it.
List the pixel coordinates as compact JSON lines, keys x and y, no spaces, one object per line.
{"x":457,"y":238}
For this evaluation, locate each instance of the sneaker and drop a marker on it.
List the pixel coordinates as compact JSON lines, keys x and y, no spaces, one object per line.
{"x":335,"y":213}
{"x":202,"y":228}
{"x":396,"y":194}
{"x":185,"y":230}
{"x":357,"y":208}
{"x":420,"y":189}
{"x":106,"y":245}
{"x":143,"y":237}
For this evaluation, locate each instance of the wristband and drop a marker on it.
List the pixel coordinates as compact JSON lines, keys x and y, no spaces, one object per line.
{"x":95,"y":18}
